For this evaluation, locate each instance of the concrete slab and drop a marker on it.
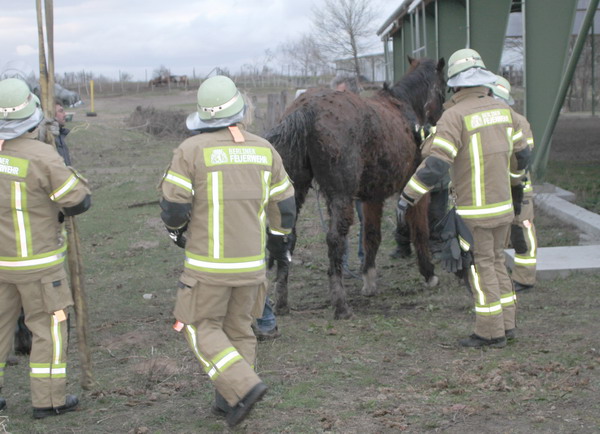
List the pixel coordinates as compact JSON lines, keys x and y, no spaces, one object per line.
{"x":553,"y":189}
{"x":581,"y":218}
{"x":554,"y":262}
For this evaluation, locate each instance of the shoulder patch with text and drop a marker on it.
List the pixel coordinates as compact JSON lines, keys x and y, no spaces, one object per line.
{"x":487,"y":118}
{"x":13,"y":166}
{"x":221,"y":155}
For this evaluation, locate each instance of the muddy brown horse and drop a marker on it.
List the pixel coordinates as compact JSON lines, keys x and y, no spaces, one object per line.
{"x":359,"y":148}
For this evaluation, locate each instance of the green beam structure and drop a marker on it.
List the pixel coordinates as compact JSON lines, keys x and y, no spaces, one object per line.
{"x":481,"y":25}
{"x":455,"y":24}
{"x":452,"y":24}
{"x":488,"y":21}
{"x":548,"y":25}
{"x":546,"y":115}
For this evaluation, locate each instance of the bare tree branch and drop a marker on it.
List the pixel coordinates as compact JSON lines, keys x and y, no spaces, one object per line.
{"x":343,"y":28}
{"x":304,"y":56}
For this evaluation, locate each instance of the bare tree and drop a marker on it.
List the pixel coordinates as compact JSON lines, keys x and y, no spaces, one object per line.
{"x":303,"y":56}
{"x":125,"y":76}
{"x":343,"y":28}
{"x":513,"y":48}
{"x":162,"y":71}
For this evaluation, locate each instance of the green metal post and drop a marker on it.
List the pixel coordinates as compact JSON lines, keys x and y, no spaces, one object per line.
{"x":543,"y":149}
{"x":592,"y":42}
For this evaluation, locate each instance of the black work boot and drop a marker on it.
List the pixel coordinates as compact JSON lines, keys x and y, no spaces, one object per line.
{"x":71,"y":403}
{"x":511,"y":334}
{"x":266,"y":335}
{"x":476,"y":341}
{"x":242,"y":408}
{"x":220,"y":407}
{"x":2,"y":404}
{"x":520,"y":287}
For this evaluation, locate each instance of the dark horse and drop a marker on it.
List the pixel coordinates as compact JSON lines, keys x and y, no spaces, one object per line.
{"x":359,"y":148}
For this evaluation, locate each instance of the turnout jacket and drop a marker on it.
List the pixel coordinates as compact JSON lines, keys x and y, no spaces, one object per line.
{"x":35,"y":185}
{"x":232,"y":182}
{"x":480,"y":140}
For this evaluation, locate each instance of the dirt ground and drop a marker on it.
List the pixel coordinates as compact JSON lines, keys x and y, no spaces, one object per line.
{"x":576,"y":138}
{"x":394,"y":367}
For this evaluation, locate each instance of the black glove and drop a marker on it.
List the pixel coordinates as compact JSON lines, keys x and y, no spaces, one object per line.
{"x":401,"y":209}
{"x":450,"y":228}
{"x":279,"y":247}
{"x":61,"y":217}
{"x":178,"y":236}
{"x":517,"y":197}
{"x":450,"y":256}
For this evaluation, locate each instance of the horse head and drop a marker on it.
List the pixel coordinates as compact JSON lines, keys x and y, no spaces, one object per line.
{"x":437,"y":95}
{"x":423,"y":88}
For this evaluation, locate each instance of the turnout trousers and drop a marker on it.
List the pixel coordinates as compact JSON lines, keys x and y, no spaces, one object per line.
{"x":49,"y":343}
{"x":217,"y":323}
{"x":523,"y":240}
{"x":495,"y":299}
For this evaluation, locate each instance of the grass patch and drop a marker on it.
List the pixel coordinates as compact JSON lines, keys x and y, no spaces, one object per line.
{"x":579,"y":177}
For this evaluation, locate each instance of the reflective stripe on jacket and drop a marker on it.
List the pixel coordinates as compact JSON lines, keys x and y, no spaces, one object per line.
{"x":234,"y":188}
{"x":35,"y":185}
{"x":476,"y":137}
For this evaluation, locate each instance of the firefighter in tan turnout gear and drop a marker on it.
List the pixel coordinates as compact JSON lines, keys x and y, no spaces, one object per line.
{"x":478,"y":139}
{"x":522,"y":233}
{"x":37,"y":189}
{"x":221,"y":189}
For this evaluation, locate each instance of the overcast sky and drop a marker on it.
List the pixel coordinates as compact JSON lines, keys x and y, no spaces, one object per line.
{"x":138,"y":36}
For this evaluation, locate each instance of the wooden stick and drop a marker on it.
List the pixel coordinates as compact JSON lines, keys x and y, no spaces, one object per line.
{"x":74,"y":246}
{"x":79,"y":299}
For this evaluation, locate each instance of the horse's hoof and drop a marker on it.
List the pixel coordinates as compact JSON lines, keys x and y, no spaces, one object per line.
{"x":282,"y":310}
{"x":343,"y":313}
{"x":433,"y":281}
{"x":369,"y":288}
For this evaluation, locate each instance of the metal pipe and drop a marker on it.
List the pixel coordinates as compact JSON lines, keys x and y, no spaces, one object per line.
{"x":541,"y":155}
{"x":426,"y":54}
{"x":437,"y":31}
{"x":524,"y":32}
{"x":468,"y":20}
{"x":412,"y":34}
{"x":593,"y":80}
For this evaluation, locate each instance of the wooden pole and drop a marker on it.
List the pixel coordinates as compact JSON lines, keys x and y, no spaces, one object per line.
{"x":74,"y":245}
{"x":92,"y":112}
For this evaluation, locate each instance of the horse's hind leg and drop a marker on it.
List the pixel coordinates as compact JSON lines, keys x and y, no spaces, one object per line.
{"x":341,"y":212}
{"x":419,"y":229}
{"x":372,"y":212}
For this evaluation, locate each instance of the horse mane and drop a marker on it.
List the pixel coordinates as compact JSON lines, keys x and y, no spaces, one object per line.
{"x":413,"y":88}
{"x":289,"y":137}
{"x":418,"y":78}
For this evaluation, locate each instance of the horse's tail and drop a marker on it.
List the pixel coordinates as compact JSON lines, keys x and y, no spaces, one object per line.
{"x":290,"y":138}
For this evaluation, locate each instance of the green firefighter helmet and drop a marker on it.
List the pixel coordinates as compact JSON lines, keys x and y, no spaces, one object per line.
{"x":218,"y":98}
{"x":501,"y":88}
{"x":464,"y":59}
{"x":16,"y":100}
